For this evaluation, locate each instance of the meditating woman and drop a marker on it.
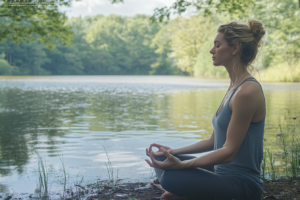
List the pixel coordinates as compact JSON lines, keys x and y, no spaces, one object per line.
{"x":232,"y":169}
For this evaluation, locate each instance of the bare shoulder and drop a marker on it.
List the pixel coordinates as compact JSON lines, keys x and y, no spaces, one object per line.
{"x":248,"y":94}
{"x":249,"y":89}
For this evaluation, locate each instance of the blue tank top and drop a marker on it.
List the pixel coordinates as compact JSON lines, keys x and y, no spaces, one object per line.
{"x":247,"y":161}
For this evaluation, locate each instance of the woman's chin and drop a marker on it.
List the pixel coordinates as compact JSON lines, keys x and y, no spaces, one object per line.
{"x":217,"y":64}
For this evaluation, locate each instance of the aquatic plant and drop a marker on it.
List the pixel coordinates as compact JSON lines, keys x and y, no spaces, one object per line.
{"x":263,"y":165}
{"x":43,"y":177}
{"x":290,"y":143}
{"x":271,"y":170}
{"x":64,"y":173}
{"x":110,"y":170}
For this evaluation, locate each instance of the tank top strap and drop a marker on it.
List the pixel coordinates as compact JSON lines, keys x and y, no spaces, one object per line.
{"x":247,"y":79}
{"x":250,"y":79}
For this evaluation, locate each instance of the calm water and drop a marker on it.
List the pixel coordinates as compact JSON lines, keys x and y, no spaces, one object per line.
{"x":77,"y":116}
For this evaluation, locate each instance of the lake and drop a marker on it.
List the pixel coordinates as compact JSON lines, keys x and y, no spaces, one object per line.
{"x":81,"y":118}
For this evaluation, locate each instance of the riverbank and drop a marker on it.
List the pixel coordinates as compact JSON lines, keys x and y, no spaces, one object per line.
{"x":280,"y":189}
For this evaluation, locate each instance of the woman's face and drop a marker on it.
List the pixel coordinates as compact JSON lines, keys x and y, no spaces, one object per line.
{"x":221,"y":52}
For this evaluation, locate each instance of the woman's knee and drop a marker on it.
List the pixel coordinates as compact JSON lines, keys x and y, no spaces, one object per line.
{"x":168,"y":182}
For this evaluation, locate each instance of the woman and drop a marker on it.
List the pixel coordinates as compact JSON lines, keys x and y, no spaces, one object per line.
{"x":232,"y":169}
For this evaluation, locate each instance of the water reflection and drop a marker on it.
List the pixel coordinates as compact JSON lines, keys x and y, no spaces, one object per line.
{"x":78,"y":119}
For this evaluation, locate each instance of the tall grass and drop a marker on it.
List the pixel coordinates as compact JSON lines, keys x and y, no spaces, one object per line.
{"x":282,"y":72}
{"x":263,"y":165}
{"x":110,"y":170}
{"x":271,"y":170}
{"x":289,"y":137}
{"x":64,"y":173}
{"x":43,"y":177}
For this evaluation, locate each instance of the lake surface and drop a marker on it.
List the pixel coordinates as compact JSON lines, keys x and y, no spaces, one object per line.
{"x":78,"y":117}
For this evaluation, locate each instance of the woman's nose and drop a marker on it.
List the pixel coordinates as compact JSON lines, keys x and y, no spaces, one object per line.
{"x":211,"y":51}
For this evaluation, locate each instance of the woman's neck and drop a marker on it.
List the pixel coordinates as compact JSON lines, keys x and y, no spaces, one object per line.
{"x":236,"y":78}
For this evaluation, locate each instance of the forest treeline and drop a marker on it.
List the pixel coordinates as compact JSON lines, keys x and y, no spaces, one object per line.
{"x":116,"y":45}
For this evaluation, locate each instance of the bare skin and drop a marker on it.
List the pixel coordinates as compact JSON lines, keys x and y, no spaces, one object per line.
{"x":166,"y":195}
{"x":247,"y":105}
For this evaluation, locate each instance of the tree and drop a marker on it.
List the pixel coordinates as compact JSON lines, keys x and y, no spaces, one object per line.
{"x":231,"y":7}
{"x":5,"y":69}
{"x":33,"y":21}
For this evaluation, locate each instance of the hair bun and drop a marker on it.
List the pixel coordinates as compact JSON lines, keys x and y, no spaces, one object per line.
{"x":257,"y":29}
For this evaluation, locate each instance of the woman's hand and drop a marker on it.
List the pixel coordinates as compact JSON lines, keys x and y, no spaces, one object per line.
{"x":170,"y":163}
{"x":159,"y":152}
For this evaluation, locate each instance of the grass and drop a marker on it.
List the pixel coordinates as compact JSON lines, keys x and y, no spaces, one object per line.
{"x":263,"y":165}
{"x":43,"y":177}
{"x":281,"y":72}
{"x":110,"y":170}
{"x":271,"y":170}
{"x":64,"y":173}
{"x":289,"y":139}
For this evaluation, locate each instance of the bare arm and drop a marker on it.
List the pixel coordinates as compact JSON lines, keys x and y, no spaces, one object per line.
{"x":199,"y":147}
{"x":244,"y":106}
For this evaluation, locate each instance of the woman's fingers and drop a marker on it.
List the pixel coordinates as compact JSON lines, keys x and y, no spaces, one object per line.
{"x":154,"y":153}
{"x":149,"y":163}
{"x":155,"y":162}
{"x":166,"y":153}
{"x":154,"y":145}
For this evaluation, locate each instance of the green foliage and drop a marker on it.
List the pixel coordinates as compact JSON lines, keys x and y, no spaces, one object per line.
{"x":43,"y":23}
{"x":5,"y":69}
{"x":101,"y":45}
{"x":207,"y":7}
{"x":116,"y":45}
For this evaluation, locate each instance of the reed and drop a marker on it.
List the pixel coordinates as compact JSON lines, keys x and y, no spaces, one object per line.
{"x":110,"y":170}
{"x":43,"y":177}
{"x":64,"y":173}
{"x":271,"y":171}
{"x":263,"y":165}
{"x":290,"y":143}
{"x":295,"y":151}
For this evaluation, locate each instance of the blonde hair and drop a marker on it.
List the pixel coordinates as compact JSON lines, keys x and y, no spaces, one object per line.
{"x":248,"y":35}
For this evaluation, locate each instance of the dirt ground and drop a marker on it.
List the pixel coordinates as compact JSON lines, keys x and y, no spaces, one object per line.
{"x":282,"y":189}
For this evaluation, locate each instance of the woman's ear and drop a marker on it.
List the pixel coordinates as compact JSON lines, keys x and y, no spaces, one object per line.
{"x":236,"y":48}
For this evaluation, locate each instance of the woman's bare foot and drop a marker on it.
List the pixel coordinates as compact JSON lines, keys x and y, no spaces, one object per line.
{"x":167,"y":195}
{"x":170,"y":196}
{"x":157,"y":186}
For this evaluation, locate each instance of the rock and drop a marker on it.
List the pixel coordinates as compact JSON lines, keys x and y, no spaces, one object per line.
{"x":270,"y":198}
{"x":121,"y":195}
{"x":8,"y":198}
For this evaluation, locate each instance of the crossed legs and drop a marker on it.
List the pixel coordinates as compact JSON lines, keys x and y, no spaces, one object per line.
{"x":200,"y":183}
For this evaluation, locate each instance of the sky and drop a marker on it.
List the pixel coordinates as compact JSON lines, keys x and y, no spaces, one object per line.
{"x":105,"y":7}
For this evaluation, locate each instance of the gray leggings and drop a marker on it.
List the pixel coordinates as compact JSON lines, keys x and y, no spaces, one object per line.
{"x":203,"y":184}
